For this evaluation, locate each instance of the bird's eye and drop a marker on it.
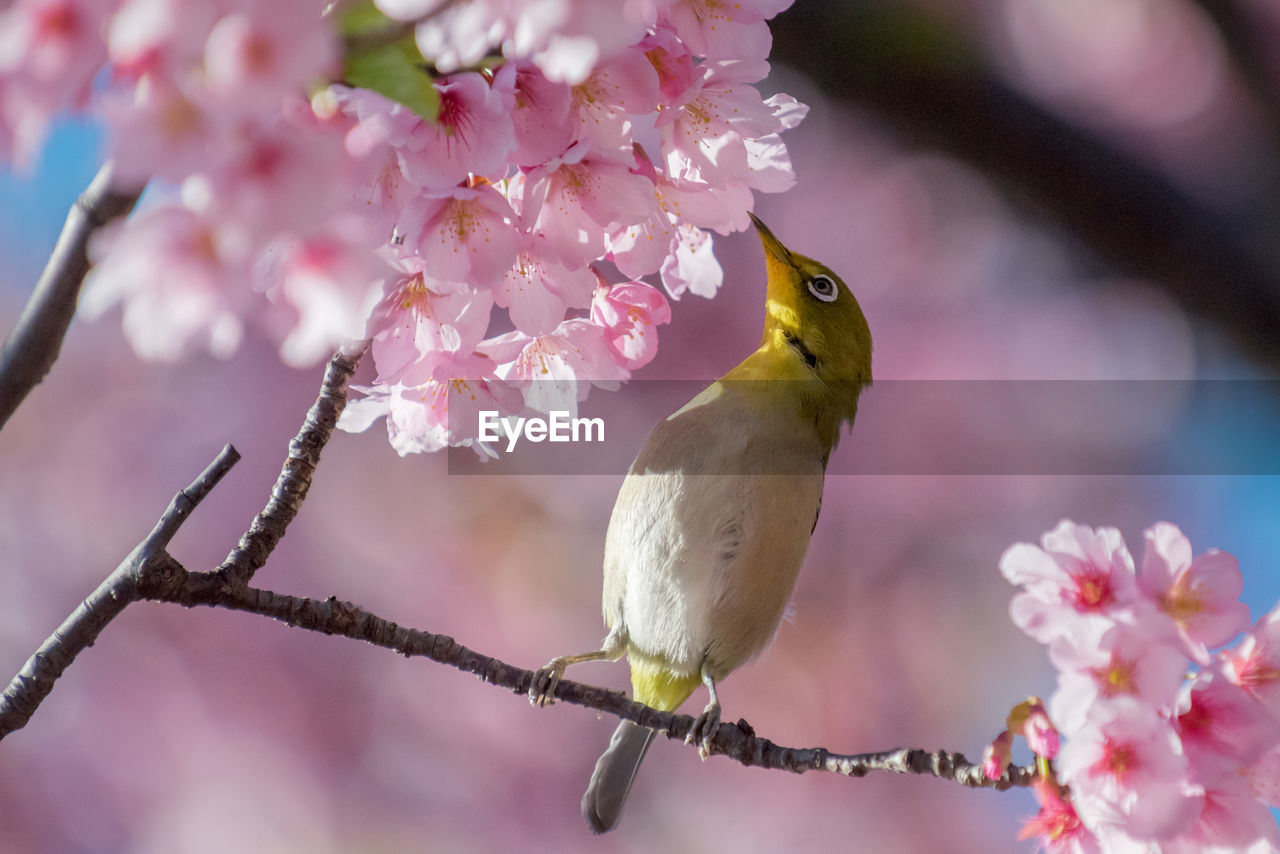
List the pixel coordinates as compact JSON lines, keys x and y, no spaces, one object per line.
{"x":823,"y":288}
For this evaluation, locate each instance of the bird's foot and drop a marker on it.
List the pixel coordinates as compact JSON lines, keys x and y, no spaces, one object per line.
{"x":545,"y":680}
{"x":704,"y":729}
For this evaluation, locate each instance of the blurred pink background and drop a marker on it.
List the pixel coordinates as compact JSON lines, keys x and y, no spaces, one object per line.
{"x":203,"y":731}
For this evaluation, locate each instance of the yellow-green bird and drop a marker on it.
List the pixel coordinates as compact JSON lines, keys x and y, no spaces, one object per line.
{"x":714,"y":517}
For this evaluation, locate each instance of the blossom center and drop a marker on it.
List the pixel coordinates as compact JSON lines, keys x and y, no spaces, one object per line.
{"x":1254,"y":674}
{"x":461,"y":220}
{"x":1057,"y":820}
{"x":455,"y":118}
{"x":1119,"y":677}
{"x":55,"y":22}
{"x":258,"y":54}
{"x":1182,"y":601}
{"x":414,"y":294}
{"x":1198,"y":718}
{"x":179,"y":118}
{"x":708,"y":9}
{"x":1093,"y":590}
{"x":1118,"y":759}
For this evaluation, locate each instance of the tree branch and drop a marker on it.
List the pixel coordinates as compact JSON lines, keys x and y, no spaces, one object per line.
{"x":33,"y":345}
{"x":37,"y":677}
{"x":150,"y":567}
{"x":291,"y":487}
{"x":149,"y":572}
{"x":737,"y":741}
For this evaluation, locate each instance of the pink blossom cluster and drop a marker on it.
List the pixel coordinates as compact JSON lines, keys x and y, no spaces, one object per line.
{"x":494,"y":256}
{"x":1167,"y":745}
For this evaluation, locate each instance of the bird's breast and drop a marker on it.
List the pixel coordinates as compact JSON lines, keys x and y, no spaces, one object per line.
{"x":708,"y":534}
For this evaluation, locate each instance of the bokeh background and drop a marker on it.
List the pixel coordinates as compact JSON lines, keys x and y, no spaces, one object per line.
{"x":1059,"y":189}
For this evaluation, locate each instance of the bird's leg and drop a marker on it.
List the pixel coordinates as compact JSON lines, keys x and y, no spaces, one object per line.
{"x":545,"y":679}
{"x":705,"y":725}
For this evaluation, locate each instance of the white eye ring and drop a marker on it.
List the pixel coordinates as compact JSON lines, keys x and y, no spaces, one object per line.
{"x":824,"y":288}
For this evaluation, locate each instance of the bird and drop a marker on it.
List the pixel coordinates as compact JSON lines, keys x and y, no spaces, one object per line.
{"x":714,"y":517}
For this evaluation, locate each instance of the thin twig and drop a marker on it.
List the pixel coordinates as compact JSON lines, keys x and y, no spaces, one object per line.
{"x":33,"y":345}
{"x":150,"y":565}
{"x":37,"y":677}
{"x":291,"y":487}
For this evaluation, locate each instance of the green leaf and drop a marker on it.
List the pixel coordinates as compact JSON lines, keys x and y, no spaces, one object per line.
{"x":361,"y":18}
{"x":398,"y":71}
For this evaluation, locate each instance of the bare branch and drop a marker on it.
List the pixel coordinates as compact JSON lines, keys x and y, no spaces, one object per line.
{"x":149,"y":572}
{"x":291,"y":487}
{"x":36,"y":679}
{"x":737,"y":741}
{"x":33,"y":345}
{"x":150,"y":567}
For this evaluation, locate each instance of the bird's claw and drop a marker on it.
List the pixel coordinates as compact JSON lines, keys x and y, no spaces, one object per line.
{"x":545,"y":680}
{"x":704,"y":729}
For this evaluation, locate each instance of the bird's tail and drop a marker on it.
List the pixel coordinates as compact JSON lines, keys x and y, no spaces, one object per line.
{"x":610,"y":782}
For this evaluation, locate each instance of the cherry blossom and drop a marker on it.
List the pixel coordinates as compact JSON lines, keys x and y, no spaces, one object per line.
{"x":1264,"y":776}
{"x":643,"y":247}
{"x":538,"y":287}
{"x":557,"y":370}
{"x":463,"y":234}
{"x":575,"y":199}
{"x":473,"y":134}
{"x":704,"y":133}
{"x":537,"y":145}
{"x":1157,"y":755}
{"x":168,"y":134}
{"x":161,"y":39}
{"x":193,"y":304}
{"x":1076,"y":574}
{"x":1102,"y":662}
{"x":539,"y":115}
{"x":49,"y":52}
{"x":672,"y":60}
{"x":630,"y":312}
{"x":602,"y":104}
{"x":413,"y":328}
{"x":418,"y":417}
{"x":1041,"y":735}
{"x":1255,"y":663}
{"x":564,"y":38}
{"x":1230,"y":820}
{"x":1222,"y":725}
{"x":330,"y":285}
{"x":1057,"y":826}
{"x":253,"y":60}
{"x":692,"y":266}
{"x":722,"y":29}
{"x":997,"y":755}
{"x":1202,"y":595}
{"x":1128,"y":770}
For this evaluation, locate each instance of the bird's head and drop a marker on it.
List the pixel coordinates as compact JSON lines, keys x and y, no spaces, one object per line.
{"x":813,"y":313}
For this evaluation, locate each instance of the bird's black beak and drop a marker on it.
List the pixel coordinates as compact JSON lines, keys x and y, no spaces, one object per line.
{"x":773,"y":248}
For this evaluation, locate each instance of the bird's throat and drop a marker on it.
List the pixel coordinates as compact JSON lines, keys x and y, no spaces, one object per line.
{"x":794,"y":342}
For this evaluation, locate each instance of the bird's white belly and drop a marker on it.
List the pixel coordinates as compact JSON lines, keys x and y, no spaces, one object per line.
{"x":701,"y":567}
